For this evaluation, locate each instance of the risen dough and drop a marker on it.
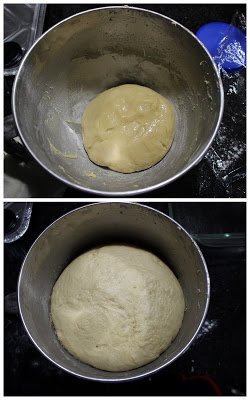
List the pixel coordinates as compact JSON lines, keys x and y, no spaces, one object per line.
{"x":128,"y":128}
{"x":117,"y":307}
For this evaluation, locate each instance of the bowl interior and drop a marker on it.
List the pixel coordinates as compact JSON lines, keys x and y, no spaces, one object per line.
{"x":101,"y":224}
{"x":93,"y":51}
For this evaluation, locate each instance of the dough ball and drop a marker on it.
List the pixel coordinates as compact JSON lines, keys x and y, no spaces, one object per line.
{"x":117,"y":307}
{"x":128,"y":128}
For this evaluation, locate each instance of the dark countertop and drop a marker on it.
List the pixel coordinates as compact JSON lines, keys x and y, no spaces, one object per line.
{"x":222,"y":172}
{"x":216,"y":361}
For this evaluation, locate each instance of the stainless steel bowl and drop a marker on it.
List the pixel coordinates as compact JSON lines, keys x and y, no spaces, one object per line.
{"x":101,"y":48}
{"x":105,"y":223}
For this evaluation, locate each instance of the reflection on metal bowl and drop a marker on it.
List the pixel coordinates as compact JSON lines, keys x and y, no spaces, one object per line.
{"x":101,"y":48}
{"x":99,"y":224}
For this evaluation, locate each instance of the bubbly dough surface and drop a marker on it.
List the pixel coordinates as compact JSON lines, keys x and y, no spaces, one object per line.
{"x":117,"y":307}
{"x":128,"y":128}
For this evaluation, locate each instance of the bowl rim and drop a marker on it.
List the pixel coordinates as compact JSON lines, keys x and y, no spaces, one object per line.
{"x":132,"y":192}
{"x":139,"y":375}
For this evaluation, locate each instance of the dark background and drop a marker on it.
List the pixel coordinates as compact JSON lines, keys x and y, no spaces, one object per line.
{"x":208,"y":178}
{"x":216,"y":361}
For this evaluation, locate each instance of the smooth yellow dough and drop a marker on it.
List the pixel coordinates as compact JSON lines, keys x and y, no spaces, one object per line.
{"x":128,"y":128}
{"x":117,"y":307}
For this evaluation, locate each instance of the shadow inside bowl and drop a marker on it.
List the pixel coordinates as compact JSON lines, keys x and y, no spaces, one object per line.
{"x":92,"y":53}
{"x":100,"y":224}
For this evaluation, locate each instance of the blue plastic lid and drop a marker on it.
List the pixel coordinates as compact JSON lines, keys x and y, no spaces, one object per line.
{"x":225,"y":43}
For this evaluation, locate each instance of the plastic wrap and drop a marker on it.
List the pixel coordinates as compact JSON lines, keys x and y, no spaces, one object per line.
{"x":226,"y":158}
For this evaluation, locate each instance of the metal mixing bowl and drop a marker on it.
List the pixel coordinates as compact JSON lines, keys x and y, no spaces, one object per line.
{"x":105,"y":47}
{"x":105,"y":223}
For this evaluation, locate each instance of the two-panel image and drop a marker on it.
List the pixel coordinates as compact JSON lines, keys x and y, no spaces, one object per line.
{"x":124,"y":199}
